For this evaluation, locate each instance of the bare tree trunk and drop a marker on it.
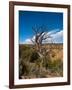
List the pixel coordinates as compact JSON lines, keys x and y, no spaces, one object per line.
{"x":40,"y":36}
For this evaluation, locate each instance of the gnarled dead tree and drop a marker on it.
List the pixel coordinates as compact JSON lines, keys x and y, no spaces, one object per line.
{"x":41,"y":35}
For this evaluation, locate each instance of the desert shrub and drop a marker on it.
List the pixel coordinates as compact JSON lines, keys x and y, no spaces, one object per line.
{"x":32,"y":65}
{"x":34,"y":56}
{"x":56,"y":66}
{"x":23,"y":68}
{"x":23,"y":48}
{"x":46,"y":60}
{"x":26,"y":54}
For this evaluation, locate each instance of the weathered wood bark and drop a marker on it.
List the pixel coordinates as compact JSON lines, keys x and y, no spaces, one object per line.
{"x":41,"y":34}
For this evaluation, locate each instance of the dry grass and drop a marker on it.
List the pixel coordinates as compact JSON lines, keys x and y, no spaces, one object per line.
{"x":32,"y":66}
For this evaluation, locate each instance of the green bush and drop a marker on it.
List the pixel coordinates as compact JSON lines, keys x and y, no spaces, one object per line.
{"x":56,"y":66}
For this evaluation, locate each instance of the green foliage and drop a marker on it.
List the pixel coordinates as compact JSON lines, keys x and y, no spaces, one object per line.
{"x":56,"y":66}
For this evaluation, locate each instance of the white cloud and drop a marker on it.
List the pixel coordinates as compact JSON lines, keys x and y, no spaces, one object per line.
{"x":57,"y":37}
{"x":27,"y":41}
{"x":53,"y":31}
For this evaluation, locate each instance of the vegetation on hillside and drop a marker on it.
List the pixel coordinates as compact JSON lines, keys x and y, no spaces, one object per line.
{"x":39,"y":60}
{"x":31,"y":65}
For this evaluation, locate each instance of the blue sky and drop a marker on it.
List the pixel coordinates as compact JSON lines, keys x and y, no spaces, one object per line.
{"x":28,"y":19}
